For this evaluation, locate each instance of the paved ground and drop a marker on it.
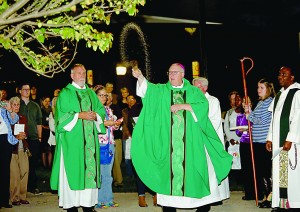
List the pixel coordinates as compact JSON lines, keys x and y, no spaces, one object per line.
{"x":128,"y":202}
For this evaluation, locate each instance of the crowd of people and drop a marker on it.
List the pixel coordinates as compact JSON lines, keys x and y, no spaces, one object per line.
{"x":174,"y":143}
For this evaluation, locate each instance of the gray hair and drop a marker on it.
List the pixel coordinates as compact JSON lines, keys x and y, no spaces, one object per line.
{"x":203,"y":81}
{"x":14,"y":99}
{"x":75,"y":66}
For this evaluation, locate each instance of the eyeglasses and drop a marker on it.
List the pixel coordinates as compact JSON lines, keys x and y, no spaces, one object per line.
{"x":173,"y":72}
{"x":101,"y":95}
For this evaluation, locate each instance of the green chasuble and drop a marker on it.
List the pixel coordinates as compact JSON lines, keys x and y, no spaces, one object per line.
{"x":80,"y":146}
{"x":168,"y":150}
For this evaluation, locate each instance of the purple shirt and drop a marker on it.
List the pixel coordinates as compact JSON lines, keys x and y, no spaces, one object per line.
{"x":242,"y":121}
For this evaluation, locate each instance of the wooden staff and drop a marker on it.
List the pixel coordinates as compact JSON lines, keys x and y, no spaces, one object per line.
{"x":249,"y":125}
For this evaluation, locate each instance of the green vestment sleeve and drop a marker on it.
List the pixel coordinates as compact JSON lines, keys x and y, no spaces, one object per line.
{"x":151,"y":144}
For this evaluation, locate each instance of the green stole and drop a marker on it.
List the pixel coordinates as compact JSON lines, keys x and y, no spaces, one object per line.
{"x":89,"y":141}
{"x":285,"y":113}
{"x":284,"y":129}
{"x":178,"y":142}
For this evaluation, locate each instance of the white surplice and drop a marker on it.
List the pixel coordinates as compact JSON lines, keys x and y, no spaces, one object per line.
{"x":214,"y":115}
{"x":293,"y":190}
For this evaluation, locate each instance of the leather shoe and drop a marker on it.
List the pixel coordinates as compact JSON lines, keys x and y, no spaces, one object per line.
{"x":16,"y":203}
{"x":247,"y":198}
{"x":142,"y":201}
{"x":265,"y":204}
{"x":7,"y":206}
{"x":88,"y":209}
{"x":118,"y":185}
{"x":24,"y":202}
{"x":278,"y":210}
{"x":154,"y":200}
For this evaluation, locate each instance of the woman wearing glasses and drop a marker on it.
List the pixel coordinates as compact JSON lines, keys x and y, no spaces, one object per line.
{"x":105,"y":195}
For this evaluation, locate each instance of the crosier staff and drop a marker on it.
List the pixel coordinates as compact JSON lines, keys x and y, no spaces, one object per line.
{"x":249,"y":125}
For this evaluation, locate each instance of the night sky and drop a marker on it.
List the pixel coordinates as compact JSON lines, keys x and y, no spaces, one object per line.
{"x":169,"y":43}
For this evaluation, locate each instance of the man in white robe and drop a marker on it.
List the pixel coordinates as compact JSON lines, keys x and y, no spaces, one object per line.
{"x":214,"y":114}
{"x":285,"y":143}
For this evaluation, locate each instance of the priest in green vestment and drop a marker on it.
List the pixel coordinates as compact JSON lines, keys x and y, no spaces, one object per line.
{"x":175,"y":149}
{"x":78,"y":120}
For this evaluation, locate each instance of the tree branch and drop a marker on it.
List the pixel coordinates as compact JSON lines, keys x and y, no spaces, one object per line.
{"x":40,"y":14}
{"x":13,"y":8}
{"x":16,"y":29}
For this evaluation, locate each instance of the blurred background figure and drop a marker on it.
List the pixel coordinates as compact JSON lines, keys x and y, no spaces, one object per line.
{"x":45,"y":147}
{"x":34,"y":96}
{"x":19,"y":165}
{"x":246,"y":162}
{"x":56,"y":92}
{"x":235,"y":179}
{"x":4,"y":95}
{"x":7,"y":118}
{"x":123,"y":101}
{"x":51,"y":140}
{"x":131,"y":115}
{"x":109,"y":87}
{"x":33,"y":113}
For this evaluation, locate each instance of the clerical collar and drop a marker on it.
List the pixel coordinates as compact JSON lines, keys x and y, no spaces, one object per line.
{"x":77,"y":86}
{"x":180,"y":86}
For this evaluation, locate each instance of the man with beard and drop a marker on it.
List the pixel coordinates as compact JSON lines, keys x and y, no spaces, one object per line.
{"x":76,"y":168}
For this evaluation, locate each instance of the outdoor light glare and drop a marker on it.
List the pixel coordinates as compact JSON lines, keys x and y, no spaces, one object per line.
{"x":121,"y":70}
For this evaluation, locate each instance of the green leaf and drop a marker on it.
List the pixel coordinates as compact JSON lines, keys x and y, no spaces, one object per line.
{"x":95,"y":47}
{"x":41,"y":38}
{"x":75,"y":24}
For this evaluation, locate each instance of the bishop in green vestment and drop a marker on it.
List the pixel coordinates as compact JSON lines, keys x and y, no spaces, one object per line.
{"x":76,"y":166}
{"x":172,"y":136}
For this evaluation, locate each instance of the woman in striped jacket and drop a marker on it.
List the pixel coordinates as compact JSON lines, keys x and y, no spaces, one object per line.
{"x":260,"y":118}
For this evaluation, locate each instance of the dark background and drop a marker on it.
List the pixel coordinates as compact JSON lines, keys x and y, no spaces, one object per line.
{"x":269,"y":37}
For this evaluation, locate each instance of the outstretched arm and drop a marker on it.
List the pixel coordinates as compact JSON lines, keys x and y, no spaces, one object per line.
{"x":136,"y":72}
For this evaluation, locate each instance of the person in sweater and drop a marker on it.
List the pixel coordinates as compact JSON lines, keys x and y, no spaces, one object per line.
{"x":19,"y":165}
{"x":260,"y":118}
